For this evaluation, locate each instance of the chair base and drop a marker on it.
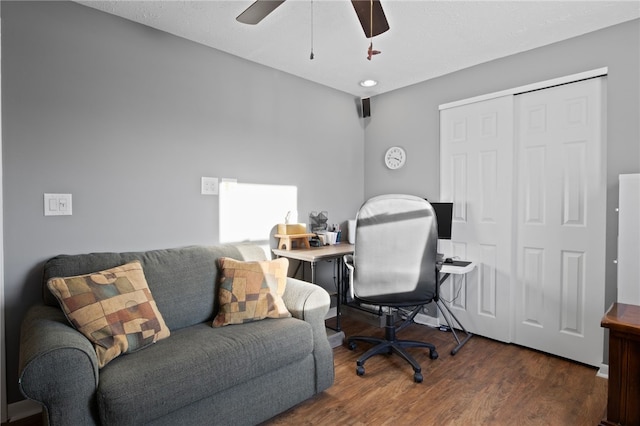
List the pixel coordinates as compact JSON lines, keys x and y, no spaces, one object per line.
{"x":390,"y":344}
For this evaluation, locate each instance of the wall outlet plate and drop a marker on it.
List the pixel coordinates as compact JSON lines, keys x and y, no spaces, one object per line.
{"x":209,"y":186}
{"x":57,"y":205}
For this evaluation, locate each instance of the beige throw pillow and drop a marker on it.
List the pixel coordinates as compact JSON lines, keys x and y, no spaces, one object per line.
{"x":114,"y":309}
{"x":251,"y":291}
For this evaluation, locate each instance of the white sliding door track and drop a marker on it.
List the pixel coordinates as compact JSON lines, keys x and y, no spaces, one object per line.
{"x":529,"y":87}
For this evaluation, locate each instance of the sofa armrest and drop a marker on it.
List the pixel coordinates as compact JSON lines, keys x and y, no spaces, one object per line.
{"x":310,"y":303}
{"x":306,"y":301}
{"x":58,"y":367}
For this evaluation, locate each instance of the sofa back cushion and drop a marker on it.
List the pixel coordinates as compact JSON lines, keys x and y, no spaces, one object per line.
{"x":183,"y":281}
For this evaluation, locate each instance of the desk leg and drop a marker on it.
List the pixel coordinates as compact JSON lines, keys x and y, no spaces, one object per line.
{"x":340,"y":266}
{"x":442,"y":307}
{"x":335,"y":334}
{"x":339,"y":281}
{"x":313,"y":272}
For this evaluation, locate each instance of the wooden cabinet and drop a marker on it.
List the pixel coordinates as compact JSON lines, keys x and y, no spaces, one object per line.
{"x":623,"y":407}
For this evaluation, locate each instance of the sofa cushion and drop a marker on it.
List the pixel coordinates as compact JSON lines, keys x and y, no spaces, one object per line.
{"x":195,"y":363}
{"x":251,"y":291}
{"x":113,"y":308}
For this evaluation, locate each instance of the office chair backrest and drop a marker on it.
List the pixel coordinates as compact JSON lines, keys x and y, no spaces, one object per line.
{"x":395,"y":251}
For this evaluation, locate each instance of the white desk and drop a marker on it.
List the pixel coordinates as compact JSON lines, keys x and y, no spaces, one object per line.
{"x":452,"y":268}
{"x":457,"y":268}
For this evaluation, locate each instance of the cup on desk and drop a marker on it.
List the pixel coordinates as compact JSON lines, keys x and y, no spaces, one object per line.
{"x":331,"y":237}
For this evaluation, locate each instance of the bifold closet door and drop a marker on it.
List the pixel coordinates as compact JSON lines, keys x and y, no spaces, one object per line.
{"x":476,"y":173}
{"x":561,"y":212}
{"x":527,"y":175}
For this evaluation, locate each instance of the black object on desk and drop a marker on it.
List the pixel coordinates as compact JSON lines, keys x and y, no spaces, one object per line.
{"x":458,"y":263}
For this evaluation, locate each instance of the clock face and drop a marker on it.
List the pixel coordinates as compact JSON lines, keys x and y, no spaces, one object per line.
{"x":395,"y":157}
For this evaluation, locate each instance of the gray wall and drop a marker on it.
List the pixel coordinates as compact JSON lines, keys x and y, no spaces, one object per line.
{"x":127,"y":119}
{"x":409,"y":117}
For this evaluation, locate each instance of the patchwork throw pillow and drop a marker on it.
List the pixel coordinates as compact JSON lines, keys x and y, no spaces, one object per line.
{"x":251,"y":291}
{"x":114,"y":309}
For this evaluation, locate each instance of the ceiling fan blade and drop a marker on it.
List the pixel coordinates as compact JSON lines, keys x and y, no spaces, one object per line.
{"x":258,"y":11}
{"x":363,"y":10}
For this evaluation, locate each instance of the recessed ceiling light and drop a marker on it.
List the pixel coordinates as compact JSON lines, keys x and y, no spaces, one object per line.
{"x":368,"y":83}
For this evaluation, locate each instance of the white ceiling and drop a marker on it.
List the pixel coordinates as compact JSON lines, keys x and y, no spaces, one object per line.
{"x":427,"y":38}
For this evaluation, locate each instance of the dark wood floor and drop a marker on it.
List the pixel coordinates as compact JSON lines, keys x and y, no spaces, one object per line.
{"x":487,"y":382}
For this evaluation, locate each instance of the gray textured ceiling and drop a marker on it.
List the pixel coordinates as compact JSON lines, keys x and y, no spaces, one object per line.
{"x":427,"y":38}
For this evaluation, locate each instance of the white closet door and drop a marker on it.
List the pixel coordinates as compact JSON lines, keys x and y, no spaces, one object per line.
{"x":476,"y":161}
{"x":559,"y":296}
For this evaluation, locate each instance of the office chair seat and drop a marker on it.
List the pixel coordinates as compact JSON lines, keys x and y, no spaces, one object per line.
{"x":394,"y":265}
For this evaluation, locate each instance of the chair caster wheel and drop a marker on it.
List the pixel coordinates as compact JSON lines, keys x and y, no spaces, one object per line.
{"x":433,"y":354}
{"x":360,"y":370}
{"x":352,"y":345}
{"x":417,"y":377}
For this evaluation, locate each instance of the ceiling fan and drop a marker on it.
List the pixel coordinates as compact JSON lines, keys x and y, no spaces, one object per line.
{"x":369,"y":13}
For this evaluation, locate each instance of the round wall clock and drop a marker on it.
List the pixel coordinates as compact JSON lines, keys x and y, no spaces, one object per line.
{"x":395,"y":157}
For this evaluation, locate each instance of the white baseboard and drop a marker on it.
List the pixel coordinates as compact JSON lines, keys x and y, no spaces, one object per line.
{"x":427,"y":320}
{"x":603,"y":371}
{"x":22,"y":409}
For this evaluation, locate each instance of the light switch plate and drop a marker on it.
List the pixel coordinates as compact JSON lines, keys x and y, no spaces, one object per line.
{"x":209,"y":186}
{"x":57,"y":205}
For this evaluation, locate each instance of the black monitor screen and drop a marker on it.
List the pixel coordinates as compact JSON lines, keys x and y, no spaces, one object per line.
{"x":444,"y":213}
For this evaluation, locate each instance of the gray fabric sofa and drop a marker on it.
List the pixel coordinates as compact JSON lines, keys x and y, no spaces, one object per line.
{"x":199,"y":375}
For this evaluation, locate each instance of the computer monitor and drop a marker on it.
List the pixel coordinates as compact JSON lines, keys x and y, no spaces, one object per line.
{"x":444,"y":214}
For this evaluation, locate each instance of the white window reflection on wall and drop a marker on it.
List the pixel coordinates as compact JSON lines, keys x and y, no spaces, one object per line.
{"x":249,"y":211}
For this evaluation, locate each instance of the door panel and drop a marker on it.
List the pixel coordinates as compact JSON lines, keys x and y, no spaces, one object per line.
{"x":559,"y":295}
{"x":476,"y":169}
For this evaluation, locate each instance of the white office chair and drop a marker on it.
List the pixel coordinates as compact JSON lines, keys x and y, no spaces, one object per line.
{"x":394,"y":265}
